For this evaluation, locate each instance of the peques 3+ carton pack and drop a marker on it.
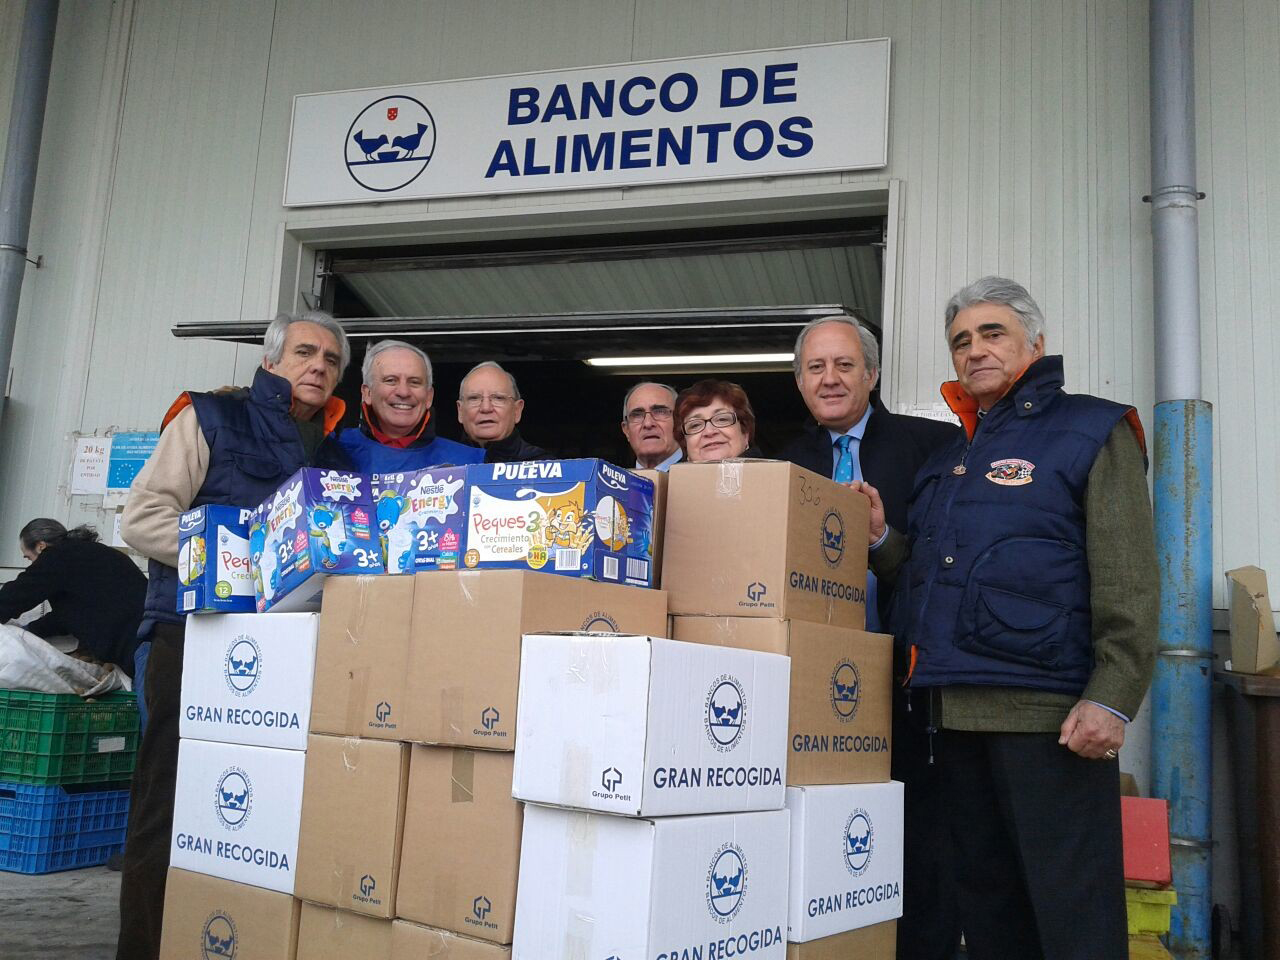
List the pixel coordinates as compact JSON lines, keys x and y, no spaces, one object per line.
{"x":578,"y":518}
{"x":422,"y":518}
{"x":213,"y":560}
{"x":319,"y":522}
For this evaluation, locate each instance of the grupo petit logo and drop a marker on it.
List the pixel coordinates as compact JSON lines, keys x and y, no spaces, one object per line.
{"x":389,"y":143}
{"x":846,"y":690}
{"x":833,"y":538}
{"x":726,"y":712}
{"x":726,"y":882}
{"x":233,"y":798}
{"x":218,"y":938}
{"x":242,"y":666}
{"x":859,"y":842}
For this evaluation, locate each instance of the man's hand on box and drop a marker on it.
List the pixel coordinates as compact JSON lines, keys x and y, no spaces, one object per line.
{"x":877,"y":509}
{"x":1092,"y":732}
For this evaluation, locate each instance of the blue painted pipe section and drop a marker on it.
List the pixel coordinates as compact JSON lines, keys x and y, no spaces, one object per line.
{"x":1181,"y":693}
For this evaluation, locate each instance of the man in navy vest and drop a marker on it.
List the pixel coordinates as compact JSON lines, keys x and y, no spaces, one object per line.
{"x":233,"y":447}
{"x":854,"y":438}
{"x":1025,"y":590}
{"x":396,"y":431}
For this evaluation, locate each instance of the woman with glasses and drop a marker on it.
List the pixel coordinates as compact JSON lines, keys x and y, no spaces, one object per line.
{"x":714,"y":421}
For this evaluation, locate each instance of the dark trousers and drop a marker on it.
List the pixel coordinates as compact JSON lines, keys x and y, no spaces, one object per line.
{"x":1039,"y":859}
{"x":146,"y":852}
{"x":930,"y":924}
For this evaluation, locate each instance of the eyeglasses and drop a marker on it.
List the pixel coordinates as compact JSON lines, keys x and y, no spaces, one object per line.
{"x":474,"y":400}
{"x":726,"y":418}
{"x":636,"y":417}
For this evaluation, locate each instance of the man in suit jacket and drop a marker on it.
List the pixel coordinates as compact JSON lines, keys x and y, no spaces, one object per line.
{"x":837,"y":365}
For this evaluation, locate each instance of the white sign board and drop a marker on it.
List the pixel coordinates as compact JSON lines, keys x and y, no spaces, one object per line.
{"x":809,"y":109}
{"x":89,"y":466}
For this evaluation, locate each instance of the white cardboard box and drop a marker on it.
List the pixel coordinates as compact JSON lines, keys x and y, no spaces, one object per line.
{"x":236,"y":812}
{"x":601,"y":886}
{"x":846,"y":858}
{"x":246,"y":678}
{"x":642,"y":726}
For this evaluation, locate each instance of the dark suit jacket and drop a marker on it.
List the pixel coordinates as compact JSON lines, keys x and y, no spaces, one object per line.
{"x":892,"y":450}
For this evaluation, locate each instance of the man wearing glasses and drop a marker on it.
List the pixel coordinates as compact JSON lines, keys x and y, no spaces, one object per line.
{"x":489,"y":407}
{"x":649,"y":426}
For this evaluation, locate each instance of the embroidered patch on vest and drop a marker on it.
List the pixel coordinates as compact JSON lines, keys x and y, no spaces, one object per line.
{"x":1010,"y":473}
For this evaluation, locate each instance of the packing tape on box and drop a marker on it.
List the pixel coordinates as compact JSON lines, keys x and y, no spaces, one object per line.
{"x":729,"y":482}
{"x":463,"y":776}
{"x":350,"y":747}
{"x":575,"y":771}
{"x":358,"y":690}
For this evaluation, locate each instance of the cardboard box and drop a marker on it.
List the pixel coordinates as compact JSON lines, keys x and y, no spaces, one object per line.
{"x":579,"y":518}
{"x":213,"y":560}
{"x":247,"y":678}
{"x":657,"y":525}
{"x":236,"y":812}
{"x":1254,"y":645}
{"x":765,"y":539}
{"x":409,"y":941}
{"x":461,"y":851}
{"x":1145,"y":826}
{"x":352,"y":819}
{"x":846,"y":858}
{"x":205,"y":917}
{"x":464,"y":664}
{"x":593,"y":886}
{"x":362,"y":657}
{"x":320,"y":522}
{"x":328,"y":934}
{"x":876,"y":942}
{"x":422,"y":518}
{"x":650,"y":727}
{"x":840,"y":727}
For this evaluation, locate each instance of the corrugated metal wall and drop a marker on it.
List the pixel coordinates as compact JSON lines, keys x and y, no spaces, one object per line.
{"x":1018,"y":129}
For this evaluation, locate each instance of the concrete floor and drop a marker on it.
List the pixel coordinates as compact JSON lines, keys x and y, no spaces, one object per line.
{"x":73,"y":915}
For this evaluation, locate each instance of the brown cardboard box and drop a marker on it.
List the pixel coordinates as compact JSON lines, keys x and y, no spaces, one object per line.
{"x":658,"y":524}
{"x":328,"y":934}
{"x":205,"y":914}
{"x":409,"y":941}
{"x":876,"y":942}
{"x":461,"y":852}
{"x":464,"y":664}
{"x":835,"y":734}
{"x":353,"y":798}
{"x":764,"y":539}
{"x":362,"y":655}
{"x":1254,"y":646}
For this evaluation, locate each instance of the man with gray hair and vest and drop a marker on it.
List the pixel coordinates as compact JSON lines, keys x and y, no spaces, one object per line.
{"x":1026,"y":594}
{"x":232,"y":447}
{"x":396,"y":431}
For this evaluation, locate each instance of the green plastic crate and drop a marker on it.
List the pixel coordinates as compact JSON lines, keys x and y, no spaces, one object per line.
{"x":48,"y":738}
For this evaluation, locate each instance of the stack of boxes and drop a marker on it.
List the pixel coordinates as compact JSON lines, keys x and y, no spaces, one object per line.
{"x":345,"y":777}
{"x":770,"y":557}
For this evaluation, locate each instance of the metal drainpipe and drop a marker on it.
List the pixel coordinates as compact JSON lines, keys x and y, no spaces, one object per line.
{"x":22,"y":154}
{"x":1181,"y":759}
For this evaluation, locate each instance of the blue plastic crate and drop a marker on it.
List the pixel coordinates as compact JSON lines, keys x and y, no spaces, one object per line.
{"x":43,"y":829}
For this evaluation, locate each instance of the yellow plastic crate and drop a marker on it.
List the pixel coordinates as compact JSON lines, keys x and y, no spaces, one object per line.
{"x":1146,"y":946}
{"x":1149,"y":909}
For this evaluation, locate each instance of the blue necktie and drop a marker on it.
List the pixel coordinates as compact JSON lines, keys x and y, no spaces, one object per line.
{"x":847,"y":470}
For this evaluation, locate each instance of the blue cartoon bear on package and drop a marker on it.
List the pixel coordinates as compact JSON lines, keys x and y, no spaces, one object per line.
{"x":422,"y":518}
{"x":319,"y":523}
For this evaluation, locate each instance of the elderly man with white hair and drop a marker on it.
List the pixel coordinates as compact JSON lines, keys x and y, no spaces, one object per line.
{"x":1027,"y":593}
{"x":396,"y":430}
{"x":232,"y":447}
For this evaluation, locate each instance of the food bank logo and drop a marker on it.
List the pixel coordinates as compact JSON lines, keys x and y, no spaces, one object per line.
{"x":389,"y":143}
{"x":218,"y":938}
{"x":833,"y":538}
{"x":859,"y":842}
{"x":233,"y":798}
{"x":726,"y":712}
{"x":726,"y":882}
{"x":242,"y":666}
{"x":846,"y":690}
{"x":599,"y":622}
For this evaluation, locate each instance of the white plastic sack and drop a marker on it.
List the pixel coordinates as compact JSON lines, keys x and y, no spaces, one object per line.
{"x":29,"y":663}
